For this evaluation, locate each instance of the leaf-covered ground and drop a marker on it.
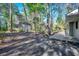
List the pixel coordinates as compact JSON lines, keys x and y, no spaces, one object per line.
{"x":39,"y":45}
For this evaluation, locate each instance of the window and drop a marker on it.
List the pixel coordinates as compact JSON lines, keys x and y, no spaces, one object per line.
{"x":76,"y":24}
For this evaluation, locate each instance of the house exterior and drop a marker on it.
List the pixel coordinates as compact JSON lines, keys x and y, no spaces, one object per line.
{"x":26,"y":27}
{"x":72,"y":24}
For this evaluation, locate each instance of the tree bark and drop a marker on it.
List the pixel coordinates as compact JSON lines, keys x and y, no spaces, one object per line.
{"x":25,"y":12}
{"x":48,"y":20}
{"x":25,"y":15}
{"x":11,"y":25}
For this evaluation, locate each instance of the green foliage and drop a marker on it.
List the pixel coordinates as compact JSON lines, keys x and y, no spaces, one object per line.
{"x":40,"y":12}
{"x":37,"y":9}
{"x":36,"y":23}
{"x":5,"y":10}
{"x":60,"y":24}
{"x":33,"y":7}
{"x":20,"y":30}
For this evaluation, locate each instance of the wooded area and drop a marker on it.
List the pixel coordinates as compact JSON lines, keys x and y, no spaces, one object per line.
{"x":30,"y":26}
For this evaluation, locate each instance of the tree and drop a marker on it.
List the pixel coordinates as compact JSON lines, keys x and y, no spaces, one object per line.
{"x":49,"y":18}
{"x":71,"y":6}
{"x":24,"y":8}
{"x":11,"y":25}
{"x":36,"y":10}
{"x":4,"y":14}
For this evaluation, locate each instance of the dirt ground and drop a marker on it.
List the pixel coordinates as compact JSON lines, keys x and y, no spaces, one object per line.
{"x":38,"y":45}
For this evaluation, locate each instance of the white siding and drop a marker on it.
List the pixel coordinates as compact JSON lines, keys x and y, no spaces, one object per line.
{"x":67,"y":30}
{"x":76,"y":31}
{"x":26,"y":27}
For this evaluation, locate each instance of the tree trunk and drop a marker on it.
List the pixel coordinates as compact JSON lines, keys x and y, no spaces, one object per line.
{"x":0,"y":24}
{"x":11,"y":25}
{"x":25,"y":14}
{"x":40,"y":23}
{"x":48,"y":20}
{"x":51,"y":25}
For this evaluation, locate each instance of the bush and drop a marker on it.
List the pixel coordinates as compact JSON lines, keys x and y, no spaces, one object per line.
{"x":20,"y":30}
